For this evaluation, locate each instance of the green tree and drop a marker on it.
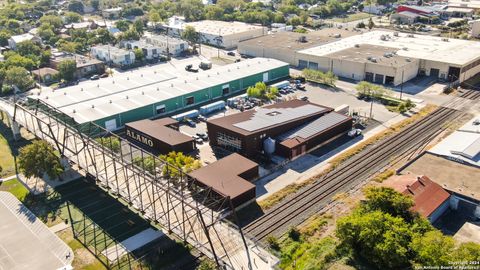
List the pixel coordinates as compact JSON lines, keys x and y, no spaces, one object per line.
{"x":380,"y":238}
{"x":28,"y":48}
{"x":207,"y":265}
{"x":39,"y":159}
{"x":138,"y":54}
{"x":177,"y":160}
{"x":147,"y":163}
{"x":138,"y":26}
{"x":111,"y":142}
{"x":122,"y":25}
{"x":433,"y":248}
{"x":4,"y":36}
{"x":13,"y":59}
{"x":154,"y":17}
{"x":192,"y":10}
{"x":388,"y":201}
{"x":19,"y":77}
{"x":52,"y":20}
{"x":66,"y":69}
{"x":370,"y":23}
{"x":72,"y":17}
{"x":76,"y":6}
{"x":467,"y":252}
{"x":190,"y":35}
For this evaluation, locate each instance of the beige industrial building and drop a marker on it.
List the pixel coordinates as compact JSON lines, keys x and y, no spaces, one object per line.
{"x":382,"y":56}
{"x":217,"y":33}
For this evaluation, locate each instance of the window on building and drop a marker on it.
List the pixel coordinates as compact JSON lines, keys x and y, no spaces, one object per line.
{"x":229,"y":142}
{"x":225,"y":89}
{"x":189,"y":101}
{"x":313,"y":65}
{"x":302,"y":64}
{"x":160,"y":109}
{"x":265,"y":77}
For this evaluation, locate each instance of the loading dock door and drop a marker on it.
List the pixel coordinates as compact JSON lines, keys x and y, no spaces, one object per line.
{"x":453,"y":73}
{"x":379,"y":78}
{"x":111,"y":124}
{"x":434,"y":72}
{"x":368,"y":76}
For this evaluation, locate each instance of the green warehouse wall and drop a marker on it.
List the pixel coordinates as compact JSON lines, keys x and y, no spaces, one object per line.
{"x":201,"y":96}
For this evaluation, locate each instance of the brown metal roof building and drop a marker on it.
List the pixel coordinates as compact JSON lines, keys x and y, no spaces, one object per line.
{"x":431,"y":200}
{"x":246,"y":132}
{"x":229,"y":177}
{"x":160,"y":136}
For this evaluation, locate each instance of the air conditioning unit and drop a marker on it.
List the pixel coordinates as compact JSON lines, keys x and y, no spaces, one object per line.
{"x":445,"y":39}
{"x":410,"y":35}
{"x":357,"y":45}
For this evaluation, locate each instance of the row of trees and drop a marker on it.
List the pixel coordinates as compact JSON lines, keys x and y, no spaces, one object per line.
{"x":383,"y":231}
{"x":378,"y":92}
{"x":179,"y":164}
{"x":328,"y":78}
{"x":262,"y":91}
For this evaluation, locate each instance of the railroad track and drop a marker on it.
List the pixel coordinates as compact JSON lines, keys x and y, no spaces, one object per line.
{"x":295,"y":209}
{"x":470,"y":94}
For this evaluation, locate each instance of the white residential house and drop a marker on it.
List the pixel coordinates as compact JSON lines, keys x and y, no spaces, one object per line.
{"x":150,"y":51}
{"x":14,"y":40}
{"x":175,"y":46}
{"x":374,"y":9}
{"x":114,"y":55}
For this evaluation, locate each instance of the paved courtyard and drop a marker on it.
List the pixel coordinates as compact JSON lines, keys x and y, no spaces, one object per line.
{"x":26,"y":242}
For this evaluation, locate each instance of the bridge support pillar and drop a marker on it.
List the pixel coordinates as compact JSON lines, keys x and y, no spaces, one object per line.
{"x":15,"y":130}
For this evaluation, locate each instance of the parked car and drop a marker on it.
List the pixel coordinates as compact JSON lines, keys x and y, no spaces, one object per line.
{"x":237,"y":60}
{"x":354,"y":133}
{"x":190,"y":123}
{"x":104,"y":75}
{"x":190,"y":68}
{"x":231,"y":53}
{"x":476,"y":122}
{"x":199,"y":140}
{"x":300,"y":86}
{"x":203,"y":136}
{"x":202,"y":118}
{"x":95,"y":77}
{"x":304,"y":98}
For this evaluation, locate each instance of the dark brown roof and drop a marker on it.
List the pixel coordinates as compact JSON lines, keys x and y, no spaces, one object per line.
{"x":44,"y":71}
{"x":229,"y":121}
{"x":157,"y":129}
{"x":223,"y":175}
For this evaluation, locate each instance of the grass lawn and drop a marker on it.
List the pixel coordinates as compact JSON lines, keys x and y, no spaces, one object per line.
{"x":6,"y":158}
{"x":15,"y":187}
{"x":352,"y":17}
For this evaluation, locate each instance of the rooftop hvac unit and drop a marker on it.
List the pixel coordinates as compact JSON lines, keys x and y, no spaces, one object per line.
{"x":408,"y":60}
{"x":369,"y":58}
{"x":357,"y":45}
{"x":374,"y":60}
{"x":383,"y":37}
{"x":410,"y":35}
{"x":405,"y":48}
{"x":302,"y":39}
{"x":445,"y":39}
{"x":395,"y":34}
{"x":337,"y":36}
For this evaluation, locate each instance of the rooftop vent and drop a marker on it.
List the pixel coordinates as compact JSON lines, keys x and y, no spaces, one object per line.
{"x":383,"y":37}
{"x":158,"y":88}
{"x":126,"y":97}
{"x":374,"y":60}
{"x":405,"y":48}
{"x":74,"y":111}
{"x":93,"y":106}
{"x":64,"y":93}
{"x":410,"y":35}
{"x":81,"y":89}
{"x":128,"y":78}
{"x":337,"y":36}
{"x":408,"y":60}
{"x":445,"y":39}
{"x":302,"y":39}
{"x":143,"y":93}
{"x":357,"y":45}
{"x":274,"y":113}
{"x":395,"y":34}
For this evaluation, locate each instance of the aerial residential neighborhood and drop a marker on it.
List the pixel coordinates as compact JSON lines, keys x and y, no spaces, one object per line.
{"x":239,"y":135}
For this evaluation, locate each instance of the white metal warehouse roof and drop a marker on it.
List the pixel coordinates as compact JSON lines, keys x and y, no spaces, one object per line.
{"x":453,"y":51}
{"x":93,"y":100}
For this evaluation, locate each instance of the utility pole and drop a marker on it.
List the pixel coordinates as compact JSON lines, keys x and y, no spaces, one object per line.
{"x":218,"y":43}
{"x":371,"y":102}
{"x":401,"y":86}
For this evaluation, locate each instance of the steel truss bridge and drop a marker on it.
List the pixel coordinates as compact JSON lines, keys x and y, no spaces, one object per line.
{"x":191,"y":212}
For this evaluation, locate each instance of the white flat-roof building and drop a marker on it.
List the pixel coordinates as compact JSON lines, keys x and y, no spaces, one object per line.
{"x":474,"y":4}
{"x":111,"y":13}
{"x":386,"y":56}
{"x":114,"y":55}
{"x":463,"y":145}
{"x":217,"y":33}
{"x":175,"y":46}
{"x":150,"y":51}
{"x":14,"y":40}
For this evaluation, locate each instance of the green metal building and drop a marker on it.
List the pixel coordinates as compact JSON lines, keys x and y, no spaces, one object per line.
{"x":151,"y":93}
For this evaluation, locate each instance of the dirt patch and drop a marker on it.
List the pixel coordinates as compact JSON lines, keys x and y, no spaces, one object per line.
{"x":449,"y":174}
